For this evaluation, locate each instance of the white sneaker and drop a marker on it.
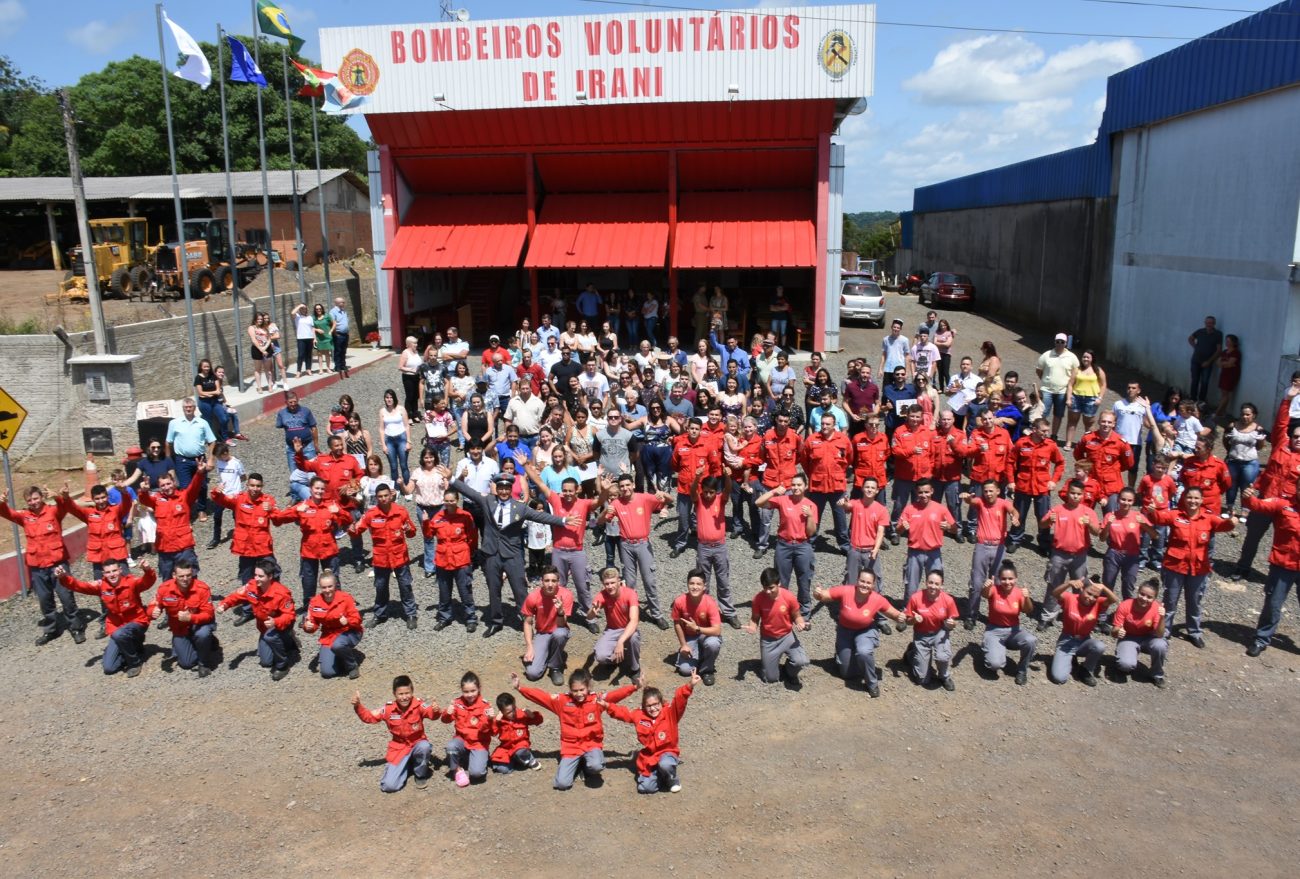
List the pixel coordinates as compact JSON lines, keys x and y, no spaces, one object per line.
{"x":675,"y":787}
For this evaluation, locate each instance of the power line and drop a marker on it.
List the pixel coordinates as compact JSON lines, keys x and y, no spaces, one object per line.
{"x":1186,"y":6}
{"x":967,"y":28}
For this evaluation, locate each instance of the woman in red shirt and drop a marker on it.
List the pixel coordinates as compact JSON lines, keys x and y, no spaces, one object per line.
{"x":1140,"y":628}
{"x":933,"y":615}
{"x":1187,"y":556}
{"x":1082,"y":603}
{"x":1007,"y":602}
{"x":858,"y":626}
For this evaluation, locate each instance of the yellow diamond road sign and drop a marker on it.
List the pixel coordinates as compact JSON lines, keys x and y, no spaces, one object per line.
{"x":12,"y":417}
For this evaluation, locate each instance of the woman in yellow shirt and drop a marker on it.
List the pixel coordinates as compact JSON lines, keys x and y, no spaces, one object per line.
{"x":1085,"y":393}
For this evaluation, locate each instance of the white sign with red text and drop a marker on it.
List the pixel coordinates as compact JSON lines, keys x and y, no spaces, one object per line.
{"x":761,"y":54}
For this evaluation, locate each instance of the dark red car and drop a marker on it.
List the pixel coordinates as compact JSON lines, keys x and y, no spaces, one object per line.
{"x":947,"y":288}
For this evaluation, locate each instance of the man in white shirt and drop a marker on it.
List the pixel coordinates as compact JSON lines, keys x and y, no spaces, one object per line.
{"x":551,"y":355}
{"x":593,"y":382}
{"x":525,"y":412}
{"x":925,"y":356}
{"x":1056,"y":369}
{"x":1130,"y":415}
{"x":453,"y":348}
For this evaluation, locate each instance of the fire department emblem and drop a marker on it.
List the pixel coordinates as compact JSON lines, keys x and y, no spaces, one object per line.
{"x":837,"y":53}
{"x":359,"y":72}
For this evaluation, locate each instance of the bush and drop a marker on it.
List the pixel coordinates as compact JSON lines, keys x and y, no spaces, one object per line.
{"x":29,"y":327}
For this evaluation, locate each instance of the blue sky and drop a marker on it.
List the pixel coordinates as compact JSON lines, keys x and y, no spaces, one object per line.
{"x":947,"y":102}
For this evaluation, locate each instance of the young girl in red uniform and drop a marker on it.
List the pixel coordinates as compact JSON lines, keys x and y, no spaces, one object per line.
{"x":861,"y":619}
{"x":582,"y":732}
{"x":1140,"y":628}
{"x":933,"y":615}
{"x":473,"y":718}
{"x":656,"y":728}
{"x":514,"y":748}
{"x":409,"y":751}
{"x":1082,"y":603}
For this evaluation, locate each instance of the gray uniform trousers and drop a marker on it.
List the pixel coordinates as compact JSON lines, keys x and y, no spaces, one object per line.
{"x":608,"y":640}
{"x":997,"y":641}
{"x":1069,"y":646}
{"x":797,"y":559}
{"x":1127,"y":650}
{"x":1062,"y":566}
{"x":636,"y":556}
{"x":935,"y":647}
{"x":772,"y":649}
{"x":984,"y":564}
{"x":712,"y":558}
{"x":855,"y":650}
{"x":548,"y":652}
{"x":703,"y":655}
{"x":415,"y":763}
{"x":858,"y":560}
{"x":920,"y":564}
{"x":574,"y":562}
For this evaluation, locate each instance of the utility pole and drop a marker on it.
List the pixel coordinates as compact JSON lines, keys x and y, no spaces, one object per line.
{"x":83,"y":226}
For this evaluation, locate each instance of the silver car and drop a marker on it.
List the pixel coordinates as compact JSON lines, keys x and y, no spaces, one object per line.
{"x":861,"y":299}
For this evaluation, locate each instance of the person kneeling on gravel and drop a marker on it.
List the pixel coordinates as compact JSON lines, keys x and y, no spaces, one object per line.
{"x":127,"y":622}
{"x":187,"y":602}
{"x":333,"y":613}
{"x":410,"y":750}
{"x":656,"y":729}
{"x":1083,"y":603}
{"x":582,"y":732}
{"x":273,"y":610}
{"x":933,"y":615}
{"x":863,"y":614}
{"x":775,"y":617}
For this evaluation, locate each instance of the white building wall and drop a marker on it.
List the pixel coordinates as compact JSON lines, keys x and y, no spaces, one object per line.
{"x":1206,"y":224}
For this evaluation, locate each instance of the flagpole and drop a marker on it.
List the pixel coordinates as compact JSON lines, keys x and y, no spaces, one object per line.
{"x":261,"y":148}
{"x":181,"y":256}
{"x":299,"y":244}
{"x":237,"y":335}
{"x":320,"y":202}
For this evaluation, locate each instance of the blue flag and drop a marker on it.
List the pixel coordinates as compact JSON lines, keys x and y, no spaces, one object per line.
{"x":242,"y":66}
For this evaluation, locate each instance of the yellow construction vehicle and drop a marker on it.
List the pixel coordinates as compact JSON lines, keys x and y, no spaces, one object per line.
{"x":211,"y":261}
{"x":120,"y":257}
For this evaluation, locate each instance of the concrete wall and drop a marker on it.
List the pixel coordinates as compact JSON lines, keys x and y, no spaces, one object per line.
{"x":1043,"y":263}
{"x":1206,"y":224}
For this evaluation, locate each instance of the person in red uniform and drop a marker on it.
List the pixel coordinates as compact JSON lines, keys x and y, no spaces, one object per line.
{"x":697,"y":623}
{"x":128,"y":622}
{"x":711,"y":556}
{"x":546,"y":613}
{"x":1038,"y":464}
{"x":950,"y":449}
{"x":390,"y":526}
{"x":990,"y":450}
{"x":1187,"y":557}
{"x":104,"y":535}
{"x":1124,"y":529}
{"x":932,"y":614}
{"x":514,"y":748}
{"x":1278,"y":479}
{"x":868,"y":522}
{"x":410,"y":750}
{"x":1283,"y":561}
{"x":870,"y":456}
{"x":42,"y":523}
{"x":252,"y":540}
{"x":273,"y":610}
{"x":333,"y":617}
{"x":318,"y":518}
{"x":472,"y":718}
{"x":925,"y":522}
{"x":1139,"y":627}
{"x":656,"y":726}
{"x":794,"y":533}
{"x":1110,"y":455}
{"x":567,"y":551}
{"x":744,"y":475}
{"x":994,"y":517}
{"x":620,"y":643}
{"x":858,"y":626}
{"x":582,"y":730}
{"x":775,"y":617}
{"x":1157,"y":489}
{"x":337,"y":468}
{"x":690,"y":450}
{"x":1208,"y":473}
{"x":1073,"y":526}
{"x":635,"y":514}
{"x":912,"y":451}
{"x":187,"y":602}
{"x":1082,"y":603}
{"x":171,"y":510}
{"x":780,"y":458}
{"x":826,"y":458}
{"x":453,"y":560}
{"x":1093,"y":494}
{"x":1007,"y":603}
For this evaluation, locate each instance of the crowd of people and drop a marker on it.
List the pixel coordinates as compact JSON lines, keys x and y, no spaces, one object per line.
{"x":533,"y":449}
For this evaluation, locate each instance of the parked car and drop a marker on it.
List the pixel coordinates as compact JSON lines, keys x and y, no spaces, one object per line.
{"x":861,"y":298}
{"x":946,"y":288}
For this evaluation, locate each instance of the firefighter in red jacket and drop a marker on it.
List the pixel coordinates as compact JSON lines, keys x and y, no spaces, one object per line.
{"x":175,"y":540}
{"x":273,"y":609}
{"x":187,"y":602}
{"x":253,"y":508}
{"x":319,"y":518}
{"x":337,"y":468}
{"x":334,"y":617}
{"x":1283,"y":561}
{"x":410,"y":750}
{"x":43,"y":524}
{"x":390,"y":526}
{"x":104,"y":538}
{"x":127,"y":620}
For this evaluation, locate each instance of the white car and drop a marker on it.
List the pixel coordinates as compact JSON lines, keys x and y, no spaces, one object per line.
{"x":861,"y":299}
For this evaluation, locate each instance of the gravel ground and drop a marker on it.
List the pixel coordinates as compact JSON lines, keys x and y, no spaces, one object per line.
{"x":1028,"y":780}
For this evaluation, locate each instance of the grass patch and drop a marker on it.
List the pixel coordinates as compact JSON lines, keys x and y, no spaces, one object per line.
{"x":29,"y":327}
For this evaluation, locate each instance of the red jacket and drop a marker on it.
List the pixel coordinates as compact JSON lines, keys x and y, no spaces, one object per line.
{"x":513,"y":734}
{"x":657,"y":735}
{"x":457,"y":538}
{"x":949,"y":454}
{"x":252,"y":523}
{"x":870,"y":454}
{"x":274,"y":607}
{"x":1111,"y":458}
{"x":1211,"y":476}
{"x":913,"y":453}
{"x":334,"y":617}
{"x":122,"y":601}
{"x":337,"y":472}
{"x":318,"y":523}
{"x":473,"y":726}
{"x":1093,"y":493}
{"x":173,"y":515}
{"x":104,"y":540}
{"x":1286,"y":529}
{"x":581,"y":726}
{"x":687,"y":457}
{"x":389,"y":532}
{"x":1283,"y":468}
{"x":406,"y":727}
{"x":198,"y":601}
{"x":826,"y":461}
{"x":992,"y":456}
{"x":1188,"y":549}
{"x":44,"y":532}
{"x":1037,"y":465}
{"x":781,"y":455}
{"x":751,"y":455}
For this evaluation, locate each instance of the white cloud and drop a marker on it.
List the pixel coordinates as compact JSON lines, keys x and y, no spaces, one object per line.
{"x":12,"y":14}
{"x":100,"y":37}
{"x":298,"y":16}
{"x":1008,"y":67}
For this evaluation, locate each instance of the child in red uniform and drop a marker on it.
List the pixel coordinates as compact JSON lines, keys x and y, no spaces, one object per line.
{"x":514,"y":750}
{"x":272,"y":607}
{"x":858,"y":626}
{"x":933,"y":615}
{"x":409,"y":751}
{"x":473,"y":718}
{"x":697,"y":623}
{"x":775,"y":617}
{"x":333,"y":614}
{"x":1082,"y":604}
{"x":1140,"y":628}
{"x":582,"y":732}
{"x":656,"y":729}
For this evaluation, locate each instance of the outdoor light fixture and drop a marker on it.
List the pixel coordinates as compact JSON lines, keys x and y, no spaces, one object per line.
{"x":733,"y":90}
{"x":439,"y":97}
{"x":580,"y":96}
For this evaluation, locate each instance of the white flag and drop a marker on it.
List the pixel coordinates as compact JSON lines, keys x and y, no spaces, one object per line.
{"x":196,"y":67}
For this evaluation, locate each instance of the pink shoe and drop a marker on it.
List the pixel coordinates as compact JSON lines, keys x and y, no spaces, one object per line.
{"x":462,"y":778}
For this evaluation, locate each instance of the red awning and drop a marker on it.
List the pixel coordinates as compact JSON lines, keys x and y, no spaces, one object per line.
{"x":745,"y":230}
{"x":601,"y":231}
{"x":460,"y":232}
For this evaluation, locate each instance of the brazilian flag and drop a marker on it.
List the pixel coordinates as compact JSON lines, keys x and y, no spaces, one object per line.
{"x":273,"y":22}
